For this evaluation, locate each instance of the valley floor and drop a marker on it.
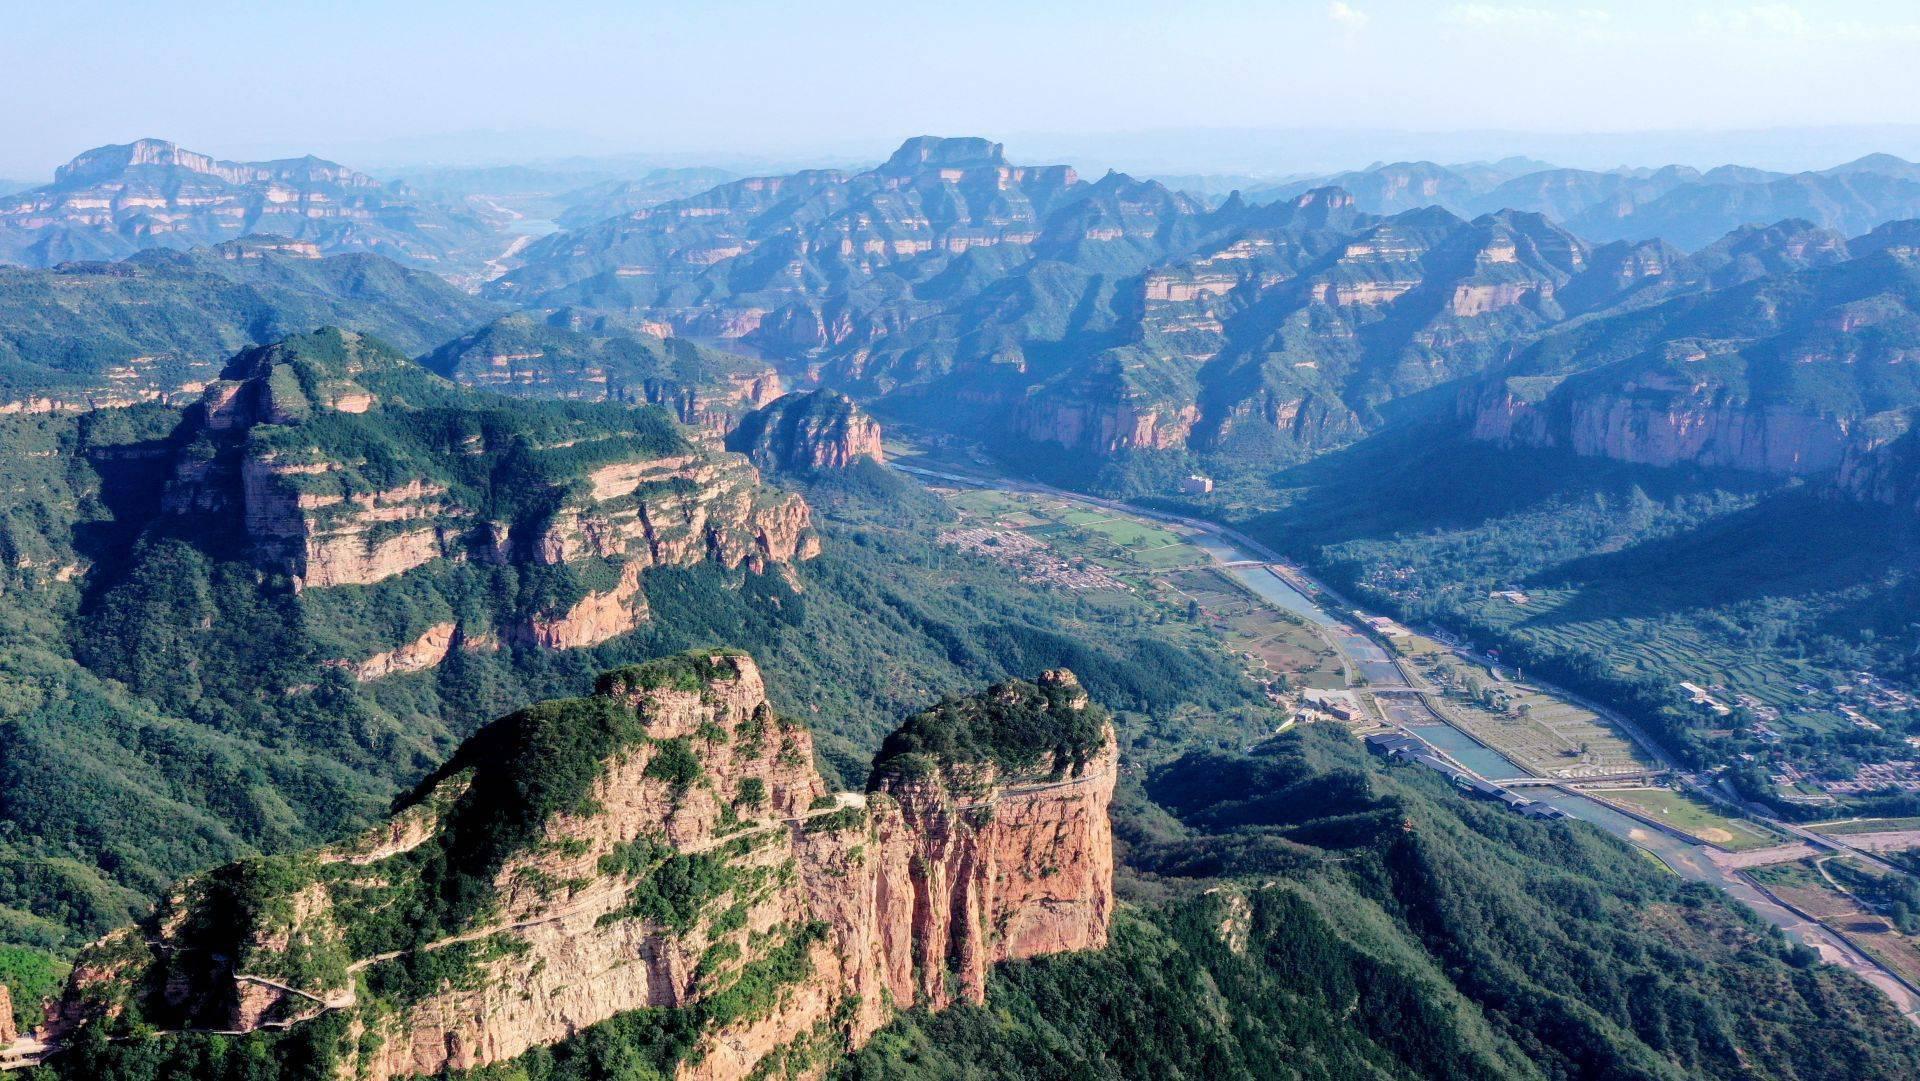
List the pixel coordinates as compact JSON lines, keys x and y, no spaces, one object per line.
{"x":1486,"y":720}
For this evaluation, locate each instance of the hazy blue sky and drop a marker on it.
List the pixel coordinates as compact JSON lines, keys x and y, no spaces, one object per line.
{"x":382,"y":82}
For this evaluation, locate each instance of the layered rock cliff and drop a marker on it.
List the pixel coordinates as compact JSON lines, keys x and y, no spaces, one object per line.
{"x":665,"y":847}
{"x":334,"y":462}
{"x":1883,"y":464}
{"x":1790,"y":373}
{"x":585,"y":356}
{"x":808,"y":431}
{"x":1663,"y":422}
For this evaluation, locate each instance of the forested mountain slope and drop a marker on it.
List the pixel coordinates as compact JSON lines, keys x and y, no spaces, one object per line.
{"x":160,"y":324}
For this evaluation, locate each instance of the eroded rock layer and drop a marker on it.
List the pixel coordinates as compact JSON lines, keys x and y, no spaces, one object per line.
{"x":334,"y":462}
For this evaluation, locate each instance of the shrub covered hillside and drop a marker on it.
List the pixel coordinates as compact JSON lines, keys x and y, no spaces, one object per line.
{"x":1336,"y":918}
{"x":166,"y":697}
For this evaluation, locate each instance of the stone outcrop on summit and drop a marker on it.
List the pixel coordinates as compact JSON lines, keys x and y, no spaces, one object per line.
{"x":664,"y":846}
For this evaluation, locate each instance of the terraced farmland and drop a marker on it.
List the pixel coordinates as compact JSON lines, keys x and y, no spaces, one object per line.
{"x":1544,"y":734}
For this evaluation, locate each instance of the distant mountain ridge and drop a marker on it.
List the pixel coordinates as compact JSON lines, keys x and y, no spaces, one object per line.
{"x":1034,"y":307}
{"x":1678,"y":204}
{"x":112,"y":201}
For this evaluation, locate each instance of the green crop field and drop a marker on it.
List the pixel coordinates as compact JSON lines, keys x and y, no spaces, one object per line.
{"x":1690,"y":815}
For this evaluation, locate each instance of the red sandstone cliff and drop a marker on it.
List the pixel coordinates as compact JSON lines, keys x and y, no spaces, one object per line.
{"x":861,"y":903}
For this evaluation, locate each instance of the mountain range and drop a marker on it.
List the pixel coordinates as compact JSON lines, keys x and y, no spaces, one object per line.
{"x":114,"y":200}
{"x":1682,"y":206}
{"x":1024,"y":303}
{"x":544,"y":678}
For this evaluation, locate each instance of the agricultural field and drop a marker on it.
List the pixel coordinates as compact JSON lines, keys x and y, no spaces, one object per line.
{"x":1119,"y":543}
{"x":1280,"y":642}
{"x":1544,"y":734}
{"x":1693,"y":816}
{"x":1844,"y":826}
{"x":1810,"y":887}
{"x":1766,"y":682}
{"x":1073,"y":545}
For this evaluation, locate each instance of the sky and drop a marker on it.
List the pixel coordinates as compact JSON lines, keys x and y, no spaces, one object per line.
{"x":1200,"y":86}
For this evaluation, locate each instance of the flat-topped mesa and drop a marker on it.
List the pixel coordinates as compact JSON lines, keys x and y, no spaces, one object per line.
{"x":108,"y":163}
{"x":808,"y":431}
{"x":341,"y":462}
{"x":113,"y":201}
{"x":922,"y":151}
{"x":664,"y":845}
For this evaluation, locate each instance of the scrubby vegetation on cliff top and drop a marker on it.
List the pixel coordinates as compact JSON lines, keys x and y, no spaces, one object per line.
{"x":1021,"y":728}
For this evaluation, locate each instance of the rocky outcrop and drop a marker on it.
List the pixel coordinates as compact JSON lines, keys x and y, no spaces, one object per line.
{"x":1660,"y":422}
{"x":1104,"y":427}
{"x":665,"y":845}
{"x":1101,"y":411}
{"x":1882,"y":465}
{"x":9,"y":1032}
{"x":808,"y":431}
{"x":595,"y":618}
{"x":424,"y":652}
{"x":980,"y":870}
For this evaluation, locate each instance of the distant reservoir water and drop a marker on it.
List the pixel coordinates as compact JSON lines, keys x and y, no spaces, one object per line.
{"x":1371,"y":661}
{"x":1468,"y":751}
